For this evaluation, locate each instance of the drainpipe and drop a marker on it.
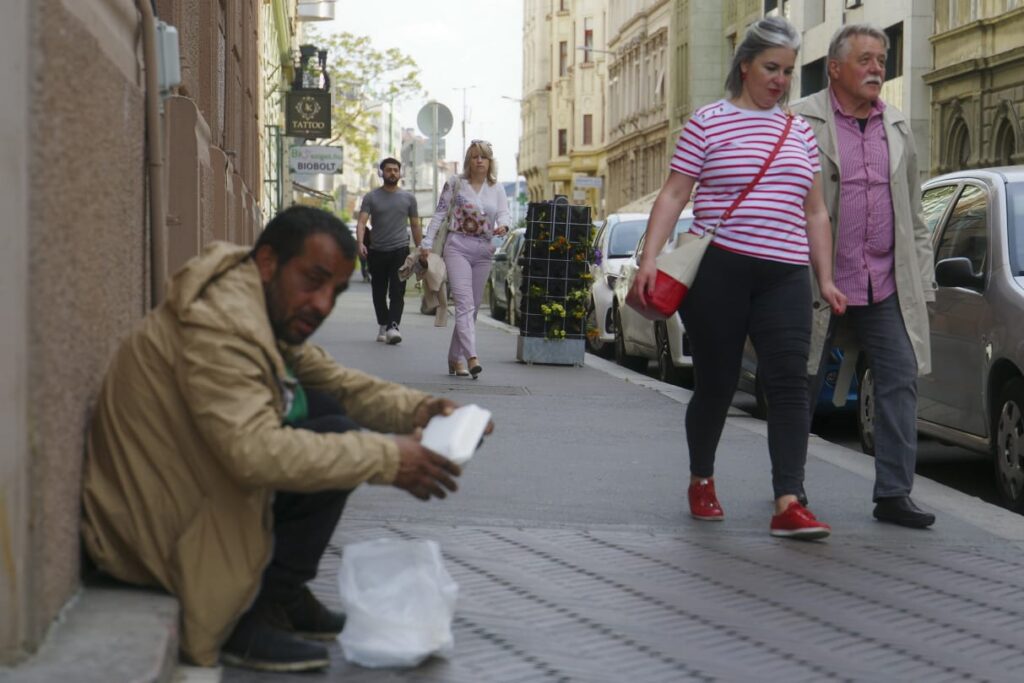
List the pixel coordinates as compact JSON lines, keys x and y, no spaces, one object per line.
{"x":154,"y":153}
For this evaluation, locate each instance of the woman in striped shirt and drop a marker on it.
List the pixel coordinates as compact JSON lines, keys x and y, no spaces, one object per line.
{"x":753,"y":278}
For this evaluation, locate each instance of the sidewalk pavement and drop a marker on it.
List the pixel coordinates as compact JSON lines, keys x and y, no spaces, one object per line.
{"x":577,"y":559}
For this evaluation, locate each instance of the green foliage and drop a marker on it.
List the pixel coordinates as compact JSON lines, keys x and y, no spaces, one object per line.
{"x":363,"y":76}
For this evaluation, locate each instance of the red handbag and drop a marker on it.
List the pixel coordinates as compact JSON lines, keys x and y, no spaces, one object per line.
{"x":678,"y":268}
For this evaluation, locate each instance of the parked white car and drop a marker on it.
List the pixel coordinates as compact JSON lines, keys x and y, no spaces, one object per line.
{"x":637,"y":339}
{"x":614,"y":245}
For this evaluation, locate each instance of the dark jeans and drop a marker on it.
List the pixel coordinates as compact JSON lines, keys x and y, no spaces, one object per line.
{"x":385,"y":284}
{"x":732,"y":297}
{"x":304,"y":522}
{"x":890,"y":355}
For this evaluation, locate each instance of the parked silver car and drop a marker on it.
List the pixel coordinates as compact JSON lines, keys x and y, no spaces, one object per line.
{"x":614,"y":244}
{"x":974,"y":396}
{"x":637,"y":339}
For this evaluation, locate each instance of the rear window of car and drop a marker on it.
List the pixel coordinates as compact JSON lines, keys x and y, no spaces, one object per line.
{"x":623,"y":238}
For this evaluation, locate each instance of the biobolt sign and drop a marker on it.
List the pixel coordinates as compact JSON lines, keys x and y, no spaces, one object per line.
{"x":315,"y":159}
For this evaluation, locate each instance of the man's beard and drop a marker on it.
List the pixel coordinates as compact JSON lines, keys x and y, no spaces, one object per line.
{"x":390,"y":182}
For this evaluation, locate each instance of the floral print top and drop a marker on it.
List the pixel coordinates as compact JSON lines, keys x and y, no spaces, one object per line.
{"x":476,"y":213}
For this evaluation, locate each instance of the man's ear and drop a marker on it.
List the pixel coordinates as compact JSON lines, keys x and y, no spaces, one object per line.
{"x":266,"y":261}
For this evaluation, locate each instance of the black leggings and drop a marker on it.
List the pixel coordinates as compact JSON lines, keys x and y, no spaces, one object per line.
{"x":385,"y":284}
{"x":732,"y":297}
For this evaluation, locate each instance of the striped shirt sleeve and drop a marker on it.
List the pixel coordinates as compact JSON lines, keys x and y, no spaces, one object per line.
{"x":691,"y":149}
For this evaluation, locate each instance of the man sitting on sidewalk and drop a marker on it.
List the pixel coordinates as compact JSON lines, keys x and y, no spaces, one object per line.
{"x":224,"y":446}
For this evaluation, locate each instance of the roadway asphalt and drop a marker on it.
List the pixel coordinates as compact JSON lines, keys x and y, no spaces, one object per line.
{"x":577,"y":559}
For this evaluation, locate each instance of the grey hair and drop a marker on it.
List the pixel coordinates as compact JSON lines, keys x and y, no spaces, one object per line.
{"x":839,"y":46}
{"x":762,"y":35}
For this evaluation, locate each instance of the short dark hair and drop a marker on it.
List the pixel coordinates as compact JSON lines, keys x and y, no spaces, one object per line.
{"x":389,"y":160}
{"x":286,"y":232}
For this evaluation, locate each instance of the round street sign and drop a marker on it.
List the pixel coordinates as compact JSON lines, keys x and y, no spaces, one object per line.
{"x":430,"y":113}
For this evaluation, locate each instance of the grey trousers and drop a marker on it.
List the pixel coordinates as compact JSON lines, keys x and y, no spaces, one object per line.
{"x":883,"y":336}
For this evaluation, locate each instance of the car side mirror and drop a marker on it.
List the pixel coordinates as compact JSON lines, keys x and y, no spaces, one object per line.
{"x":957,"y":272}
{"x":500,"y":256}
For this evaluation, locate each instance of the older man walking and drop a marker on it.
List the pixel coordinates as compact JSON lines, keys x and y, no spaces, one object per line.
{"x":883,"y":255}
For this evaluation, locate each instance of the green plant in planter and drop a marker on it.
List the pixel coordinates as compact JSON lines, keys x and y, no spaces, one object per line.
{"x":537,"y":292}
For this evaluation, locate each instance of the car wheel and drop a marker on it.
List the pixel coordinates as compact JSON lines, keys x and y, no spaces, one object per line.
{"x":594,"y":343}
{"x":621,"y":357}
{"x":492,"y":303}
{"x":510,"y":308}
{"x":866,"y":411}
{"x":1008,"y":444}
{"x":667,"y":370}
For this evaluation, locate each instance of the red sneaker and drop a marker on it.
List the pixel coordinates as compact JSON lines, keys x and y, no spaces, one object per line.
{"x":798,"y":522}
{"x":704,"y":504}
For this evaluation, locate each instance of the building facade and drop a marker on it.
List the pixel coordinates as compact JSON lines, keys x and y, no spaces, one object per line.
{"x":977,"y":85}
{"x":638,"y":147}
{"x":535,"y":141}
{"x":86,"y":244}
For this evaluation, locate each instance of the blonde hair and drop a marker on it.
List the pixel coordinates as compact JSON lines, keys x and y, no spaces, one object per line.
{"x":484,"y":148}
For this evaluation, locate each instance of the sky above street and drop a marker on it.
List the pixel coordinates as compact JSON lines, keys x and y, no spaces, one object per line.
{"x":471,"y":44}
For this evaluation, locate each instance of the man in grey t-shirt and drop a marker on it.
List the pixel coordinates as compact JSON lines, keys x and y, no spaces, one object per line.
{"x":391,"y":212}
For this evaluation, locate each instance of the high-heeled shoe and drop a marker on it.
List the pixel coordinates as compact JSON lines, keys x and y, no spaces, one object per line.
{"x":474,"y":367}
{"x":457,"y":368}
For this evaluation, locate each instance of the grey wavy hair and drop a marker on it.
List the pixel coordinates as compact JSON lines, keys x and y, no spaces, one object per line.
{"x":839,"y":46}
{"x":762,"y":35}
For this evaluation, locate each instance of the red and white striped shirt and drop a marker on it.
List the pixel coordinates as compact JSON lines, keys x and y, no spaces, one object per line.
{"x":724,"y":147}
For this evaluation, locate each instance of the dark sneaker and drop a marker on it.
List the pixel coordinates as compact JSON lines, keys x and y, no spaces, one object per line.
{"x":259,"y":642}
{"x":901,"y":510}
{"x":310,"y":619}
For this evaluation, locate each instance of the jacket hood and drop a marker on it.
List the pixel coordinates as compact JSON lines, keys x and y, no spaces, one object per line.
{"x":189,"y":283}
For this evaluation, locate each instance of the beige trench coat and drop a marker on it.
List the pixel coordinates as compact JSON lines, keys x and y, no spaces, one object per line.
{"x":914,"y":263}
{"x":187,"y":445}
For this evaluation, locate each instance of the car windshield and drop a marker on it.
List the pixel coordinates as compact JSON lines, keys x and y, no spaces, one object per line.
{"x":625,"y":235}
{"x":1015,"y":226}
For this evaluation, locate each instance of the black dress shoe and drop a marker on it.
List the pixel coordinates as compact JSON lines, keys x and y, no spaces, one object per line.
{"x":309,"y":618}
{"x":901,"y":510}
{"x":261,"y":642}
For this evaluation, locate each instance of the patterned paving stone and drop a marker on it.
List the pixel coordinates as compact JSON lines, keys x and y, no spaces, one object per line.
{"x":539,"y":604}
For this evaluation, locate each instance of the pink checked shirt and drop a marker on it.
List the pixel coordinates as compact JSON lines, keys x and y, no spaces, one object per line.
{"x":864,"y":239}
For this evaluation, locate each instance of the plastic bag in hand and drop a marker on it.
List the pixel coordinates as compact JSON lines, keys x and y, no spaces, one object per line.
{"x":398,"y":600}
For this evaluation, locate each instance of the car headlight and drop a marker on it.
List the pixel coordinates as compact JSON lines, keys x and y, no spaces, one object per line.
{"x":610,"y":279}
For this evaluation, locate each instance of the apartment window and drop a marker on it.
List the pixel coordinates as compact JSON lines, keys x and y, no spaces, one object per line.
{"x":588,"y":38}
{"x":563,"y":59}
{"x":588,"y":129}
{"x":894,"y":60}
{"x":563,"y":5}
{"x":813,"y":77}
{"x":563,"y":142}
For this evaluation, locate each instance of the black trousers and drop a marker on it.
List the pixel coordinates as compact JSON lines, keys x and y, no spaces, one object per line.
{"x":385,"y":284}
{"x":734,"y":296}
{"x":304,"y":522}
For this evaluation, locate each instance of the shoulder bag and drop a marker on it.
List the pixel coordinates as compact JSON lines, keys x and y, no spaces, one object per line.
{"x":677,"y":269}
{"x":442,"y":232}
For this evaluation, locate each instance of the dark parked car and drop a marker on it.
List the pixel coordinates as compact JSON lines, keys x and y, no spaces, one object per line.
{"x":503,"y":281}
{"x":974,"y":396}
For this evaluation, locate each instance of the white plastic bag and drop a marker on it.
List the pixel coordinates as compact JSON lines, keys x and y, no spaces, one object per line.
{"x":398,"y":600}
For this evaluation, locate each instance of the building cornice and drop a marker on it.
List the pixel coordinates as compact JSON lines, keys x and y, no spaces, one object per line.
{"x":969,"y":66}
